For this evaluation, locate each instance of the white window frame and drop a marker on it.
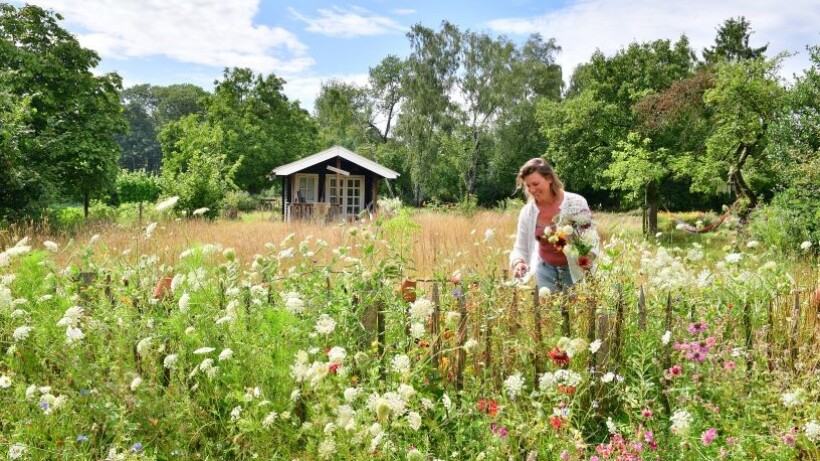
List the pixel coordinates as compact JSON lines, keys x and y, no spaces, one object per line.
{"x":296,"y":187}
{"x":344,"y":180}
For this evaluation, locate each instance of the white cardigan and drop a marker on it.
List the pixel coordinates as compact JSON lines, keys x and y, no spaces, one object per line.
{"x":526,"y":247}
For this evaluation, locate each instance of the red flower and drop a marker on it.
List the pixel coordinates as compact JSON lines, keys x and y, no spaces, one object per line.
{"x":559,"y":357}
{"x":333,"y":368}
{"x":585,"y":262}
{"x":568,"y":390}
{"x":556,"y":422}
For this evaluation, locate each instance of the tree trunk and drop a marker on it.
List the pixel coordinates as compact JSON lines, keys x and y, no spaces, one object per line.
{"x":86,"y":200}
{"x":652,"y":199}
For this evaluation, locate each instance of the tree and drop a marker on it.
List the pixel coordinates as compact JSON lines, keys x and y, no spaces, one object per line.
{"x":385,"y":94}
{"x":148,"y":109}
{"x":342,"y":115}
{"x":260,"y":125}
{"x":194,"y":165}
{"x":732,"y":43}
{"x":74,"y":114}
{"x":594,"y":130}
{"x":746,"y":99}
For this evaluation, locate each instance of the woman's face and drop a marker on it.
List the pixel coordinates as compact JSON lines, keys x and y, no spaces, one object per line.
{"x":539,"y":187}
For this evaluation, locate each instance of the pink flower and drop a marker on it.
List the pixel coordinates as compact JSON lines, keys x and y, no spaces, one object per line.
{"x":565,"y":455}
{"x":696,"y":328}
{"x":708,"y":436}
{"x":646,"y":413}
{"x":594,"y":458}
{"x":730,"y":365}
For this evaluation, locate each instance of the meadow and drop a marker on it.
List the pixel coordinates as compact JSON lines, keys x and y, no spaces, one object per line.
{"x":257,"y":339}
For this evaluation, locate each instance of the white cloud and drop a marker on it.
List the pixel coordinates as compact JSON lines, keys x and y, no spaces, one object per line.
{"x":404,"y":11}
{"x":610,"y":25}
{"x":346,"y":23}
{"x":207,"y":32}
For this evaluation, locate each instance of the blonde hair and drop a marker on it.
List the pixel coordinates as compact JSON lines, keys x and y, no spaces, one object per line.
{"x":542,"y":167}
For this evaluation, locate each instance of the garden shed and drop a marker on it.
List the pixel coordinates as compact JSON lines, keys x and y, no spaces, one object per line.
{"x":334,"y":184}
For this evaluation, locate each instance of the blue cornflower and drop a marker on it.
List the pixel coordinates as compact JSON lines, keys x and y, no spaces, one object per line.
{"x":136,"y":448}
{"x":82,"y":438}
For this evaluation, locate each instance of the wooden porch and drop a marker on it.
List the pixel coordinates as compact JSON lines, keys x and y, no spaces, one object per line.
{"x":317,"y":211}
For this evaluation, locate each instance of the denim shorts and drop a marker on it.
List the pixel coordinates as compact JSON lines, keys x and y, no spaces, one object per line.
{"x":555,"y":278}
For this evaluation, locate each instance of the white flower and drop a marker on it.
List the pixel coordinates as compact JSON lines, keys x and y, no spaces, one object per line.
{"x":236,"y":412}
{"x":293,"y":302}
{"x":325,"y":324}
{"x":421,"y":309}
{"x":144,"y":346}
{"x":681,"y":419}
{"x":73,"y":334}
{"x":514,"y":384}
{"x":594,"y":346}
{"x":200,"y":211}
{"x":184,"y":300}
{"x":608,"y":377}
{"x":610,"y":426}
{"x":135,"y":383}
{"x":351,"y":393}
{"x":204,"y":350}
{"x":417,"y":330}
{"x":805,"y":245}
{"x":489,"y":234}
{"x":149,"y":229}
{"x":733,"y":258}
{"x":51,"y":246}
{"x":543,"y":292}
{"x":30,"y":391}
{"x":5,"y":382}
{"x":21,"y":333}
{"x":812,"y":430}
{"x":667,"y":336}
{"x":792,"y":399}
{"x":470,"y":344}
{"x":226,"y":354}
{"x":269,"y":419}
{"x":401,"y":364}
{"x":170,"y":360}
{"x":327,"y":449}
{"x":336,"y":355}
{"x":71,"y":317}
{"x":752,"y":244}
{"x":414,"y":420}
{"x":445,"y":400}
{"x":167,"y":203}
{"x":16,"y":451}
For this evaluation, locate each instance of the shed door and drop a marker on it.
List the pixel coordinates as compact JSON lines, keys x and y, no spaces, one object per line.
{"x":352,"y":193}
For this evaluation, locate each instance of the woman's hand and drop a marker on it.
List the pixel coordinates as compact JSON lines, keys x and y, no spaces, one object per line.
{"x":519,"y":269}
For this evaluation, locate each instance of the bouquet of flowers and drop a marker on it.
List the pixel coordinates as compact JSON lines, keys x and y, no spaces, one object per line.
{"x":573,"y":234}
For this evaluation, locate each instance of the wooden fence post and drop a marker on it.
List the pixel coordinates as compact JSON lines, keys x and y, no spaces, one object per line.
{"x":793,"y":342}
{"x":461,"y":338}
{"x":769,"y":335}
{"x":380,"y":336}
{"x":565,"y":327}
{"x":514,"y":312}
{"x":435,"y":332}
{"x":747,"y":329}
{"x":666,"y":361}
{"x":619,"y":324}
{"x":641,"y":310}
{"x":539,"y":340}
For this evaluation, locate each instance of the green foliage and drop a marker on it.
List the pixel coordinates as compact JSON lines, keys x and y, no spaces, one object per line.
{"x":194,"y":165}
{"x":259,"y":125}
{"x":137,"y":186}
{"x":74,"y":115}
{"x":240,"y":200}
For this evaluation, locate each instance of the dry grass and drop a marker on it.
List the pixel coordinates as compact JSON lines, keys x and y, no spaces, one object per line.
{"x":444,"y":241}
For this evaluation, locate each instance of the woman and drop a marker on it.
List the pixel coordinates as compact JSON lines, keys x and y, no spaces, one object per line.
{"x":556,"y":238}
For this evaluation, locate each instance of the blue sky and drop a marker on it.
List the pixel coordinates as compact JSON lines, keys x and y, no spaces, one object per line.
{"x":306,"y":42}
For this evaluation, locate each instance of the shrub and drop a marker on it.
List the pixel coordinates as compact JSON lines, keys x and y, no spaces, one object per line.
{"x":137,"y":186}
{"x":791,"y":218}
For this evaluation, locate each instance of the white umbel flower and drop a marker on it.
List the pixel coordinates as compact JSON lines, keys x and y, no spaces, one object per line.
{"x":21,"y":333}
{"x":514,"y":384}
{"x":167,"y":203}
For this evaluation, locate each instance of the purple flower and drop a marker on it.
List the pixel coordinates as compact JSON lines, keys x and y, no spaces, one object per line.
{"x":708,"y":436}
{"x":82,"y":438}
{"x":136,"y":448}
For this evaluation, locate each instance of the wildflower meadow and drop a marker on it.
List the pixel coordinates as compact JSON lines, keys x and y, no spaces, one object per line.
{"x":375,"y":340}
